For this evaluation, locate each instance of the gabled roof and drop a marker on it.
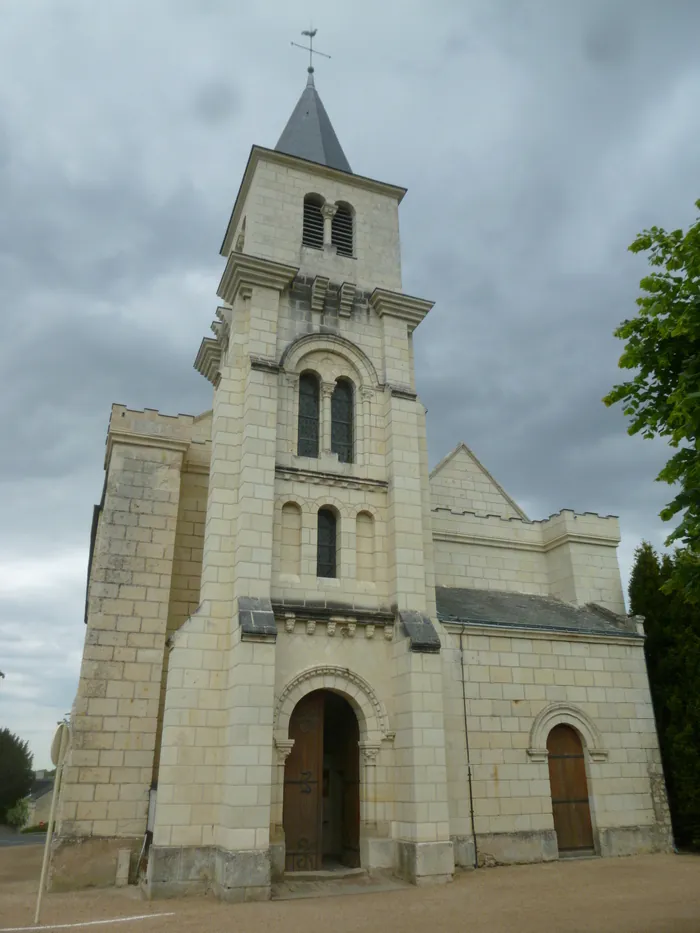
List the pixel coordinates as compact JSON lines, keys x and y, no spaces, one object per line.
{"x":452,"y":484}
{"x":309,"y":133}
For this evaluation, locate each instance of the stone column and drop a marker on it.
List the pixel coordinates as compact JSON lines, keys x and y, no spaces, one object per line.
{"x":326,"y":419}
{"x":283,"y":748}
{"x":368,"y":784}
{"x":363,"y":417}
{"x":329,"y":212}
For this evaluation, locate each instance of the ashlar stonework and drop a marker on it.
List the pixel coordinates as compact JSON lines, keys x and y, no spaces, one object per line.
{"x":296,"y":660}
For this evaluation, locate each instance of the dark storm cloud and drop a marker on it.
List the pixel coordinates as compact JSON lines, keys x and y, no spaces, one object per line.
{"x":535,"y":139}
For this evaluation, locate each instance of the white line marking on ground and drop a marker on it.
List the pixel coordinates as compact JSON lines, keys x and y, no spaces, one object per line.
{"x":85,"y":923}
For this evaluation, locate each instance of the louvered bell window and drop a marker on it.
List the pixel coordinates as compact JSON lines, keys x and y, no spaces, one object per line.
{"x":342,"y":421}
{"x":341,"y":230}
{"x":313,"y":222}
{"x":307,"y":441}
{"x":326,"y":546}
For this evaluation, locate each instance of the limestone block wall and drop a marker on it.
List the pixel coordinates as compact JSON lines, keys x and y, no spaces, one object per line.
{"x":105,"y":791}
{"x":273,"y":212}
{"x":570,"y":556}
{"x":143,"y":580}
{"x":518,"y":686}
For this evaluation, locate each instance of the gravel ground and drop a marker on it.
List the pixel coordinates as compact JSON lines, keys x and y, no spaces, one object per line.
{"x":646,"y":894}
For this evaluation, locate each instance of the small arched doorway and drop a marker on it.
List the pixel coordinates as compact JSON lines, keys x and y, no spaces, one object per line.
{"x":569,"y":789}
{"x":321,"y":810}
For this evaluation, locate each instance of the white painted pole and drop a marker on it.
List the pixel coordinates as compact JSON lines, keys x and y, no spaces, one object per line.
{"x":49,"y":830}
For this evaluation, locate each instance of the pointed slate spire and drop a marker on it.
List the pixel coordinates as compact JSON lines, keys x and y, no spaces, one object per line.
{"x":309,"y":133}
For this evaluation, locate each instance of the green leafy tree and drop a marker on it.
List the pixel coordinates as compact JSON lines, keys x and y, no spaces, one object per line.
{"x":16,"y":773}
{"x":18,"y":814}
{"x":663,"y":398}
{"x":672,"y":649}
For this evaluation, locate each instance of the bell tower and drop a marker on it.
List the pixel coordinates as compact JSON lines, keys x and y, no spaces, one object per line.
{"x":317,"y":542}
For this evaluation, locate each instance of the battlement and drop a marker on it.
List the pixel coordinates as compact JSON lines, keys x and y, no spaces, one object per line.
{"x":186,"y":431}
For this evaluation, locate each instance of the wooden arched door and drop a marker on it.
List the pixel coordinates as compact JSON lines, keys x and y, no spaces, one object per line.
{"x":569,"y":788}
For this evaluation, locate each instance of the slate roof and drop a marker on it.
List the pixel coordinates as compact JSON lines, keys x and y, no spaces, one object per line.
{"x":519,"y":610}
{"x":309,"y":133}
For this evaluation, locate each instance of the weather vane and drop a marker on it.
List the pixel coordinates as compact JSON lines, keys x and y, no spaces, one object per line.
{"x":310,"y":48}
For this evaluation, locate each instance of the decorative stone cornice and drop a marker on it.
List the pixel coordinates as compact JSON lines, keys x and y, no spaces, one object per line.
{"x":396,"y":304}
{"x":320,"y":478}
{"x":264,"y":364}
{"x":131,"y":438}
{"x":242,"y":269}
{"x":208,"y":360}
{"x":402,"y":392}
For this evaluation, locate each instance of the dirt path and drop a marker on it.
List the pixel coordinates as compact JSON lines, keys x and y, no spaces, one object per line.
{"x":648,"y":894}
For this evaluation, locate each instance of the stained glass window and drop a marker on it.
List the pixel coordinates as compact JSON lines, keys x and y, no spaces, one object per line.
{"x":326,"y":547}
{"x":342,"y":421}
{"x":307,"y":442}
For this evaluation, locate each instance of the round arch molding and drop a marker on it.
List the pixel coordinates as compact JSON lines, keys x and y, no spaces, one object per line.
{"x":335,"y":344}
{"x":557,"y":714}
{"x":370,"y":712}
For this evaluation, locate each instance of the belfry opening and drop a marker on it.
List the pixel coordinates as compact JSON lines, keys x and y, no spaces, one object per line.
{"x":321,"y":814}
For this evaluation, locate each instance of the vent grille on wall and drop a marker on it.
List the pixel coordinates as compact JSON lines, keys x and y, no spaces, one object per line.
{"x":313,"y":224}
{"x":341,"y":231}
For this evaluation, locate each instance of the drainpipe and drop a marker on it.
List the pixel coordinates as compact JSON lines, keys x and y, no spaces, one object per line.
{"x":466,"y":739}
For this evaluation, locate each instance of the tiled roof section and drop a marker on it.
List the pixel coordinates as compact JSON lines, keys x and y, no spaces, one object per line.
{"x":520,"y":610}
{"x":309,"y":133}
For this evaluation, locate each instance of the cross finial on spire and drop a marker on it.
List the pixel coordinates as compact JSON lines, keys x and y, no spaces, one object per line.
{"x":310,"y":33}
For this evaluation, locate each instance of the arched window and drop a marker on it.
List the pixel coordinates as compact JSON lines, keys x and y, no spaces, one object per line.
{"x":326,"y":553}
{"x":342,"y":230}
{"x":342,"y":421}
{"x":290,"y":543}
{"x":307,"y":441}
{"x":364,"y":543}
{"x":313,"y":221}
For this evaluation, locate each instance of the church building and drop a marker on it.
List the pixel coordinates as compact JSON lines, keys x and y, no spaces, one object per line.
{"x":303,"y":649}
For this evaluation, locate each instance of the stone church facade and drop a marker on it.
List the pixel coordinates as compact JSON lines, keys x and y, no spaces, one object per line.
{"x":303,"y":649}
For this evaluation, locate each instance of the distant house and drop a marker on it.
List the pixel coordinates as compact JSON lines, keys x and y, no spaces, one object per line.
{"x":40,"y":798}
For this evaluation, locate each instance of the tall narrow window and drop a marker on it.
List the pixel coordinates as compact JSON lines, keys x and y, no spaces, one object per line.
{"x":364,"y":543}
{"x":313,"y":221}
{"x":290,"y":543}
{"x":342,"y":230}
{"x":307,"y":441}
{"x":326,"y":562}
{"x":342,"y":421}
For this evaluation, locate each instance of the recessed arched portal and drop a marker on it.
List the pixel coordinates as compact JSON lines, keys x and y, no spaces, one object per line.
{"x":569,"y":788}
{"x":321,"y":810}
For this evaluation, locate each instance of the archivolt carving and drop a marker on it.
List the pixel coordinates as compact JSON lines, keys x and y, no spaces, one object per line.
{"x":554,"y":715}
{"x":334,"y":344}
{"x":372,"y":715}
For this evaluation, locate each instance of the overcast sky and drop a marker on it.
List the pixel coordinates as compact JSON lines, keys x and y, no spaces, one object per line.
{"x":535,"y":138}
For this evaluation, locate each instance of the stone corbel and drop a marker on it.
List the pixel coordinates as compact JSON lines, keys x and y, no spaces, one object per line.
{"x":319,"y":290}
{"x":347,"y":299}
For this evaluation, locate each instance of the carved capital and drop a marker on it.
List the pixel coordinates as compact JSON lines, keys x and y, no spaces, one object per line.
{"x":369,"y":752}
{"x":329,"y":210}
{"x":283,"y":748}
{"x":327,"y":389}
